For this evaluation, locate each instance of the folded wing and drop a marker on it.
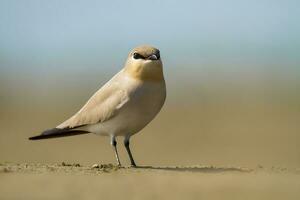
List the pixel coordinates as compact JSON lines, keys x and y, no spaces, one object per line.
{"x":102,"y":106}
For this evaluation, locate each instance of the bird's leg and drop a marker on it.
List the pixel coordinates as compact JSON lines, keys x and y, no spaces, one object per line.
{"x":126,"y":143}
{"x":114,"y":145}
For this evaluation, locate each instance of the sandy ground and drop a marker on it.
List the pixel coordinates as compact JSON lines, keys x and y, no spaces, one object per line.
{"x":211,"y":117}
{"x":74,"y":181}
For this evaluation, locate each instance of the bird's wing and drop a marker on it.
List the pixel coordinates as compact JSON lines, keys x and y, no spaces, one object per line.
{"x":102,"y":106}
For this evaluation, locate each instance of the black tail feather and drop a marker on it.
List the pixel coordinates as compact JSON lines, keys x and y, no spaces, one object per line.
{"x":56,"y":132}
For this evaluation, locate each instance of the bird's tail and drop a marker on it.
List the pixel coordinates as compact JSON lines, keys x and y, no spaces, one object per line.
{"x":57,"y":132}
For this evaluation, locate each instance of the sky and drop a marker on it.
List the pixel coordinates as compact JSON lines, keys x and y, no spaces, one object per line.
{"x":46,"y":36}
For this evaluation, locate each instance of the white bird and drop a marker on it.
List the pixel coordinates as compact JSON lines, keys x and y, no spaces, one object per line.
{"x":124,"y":105}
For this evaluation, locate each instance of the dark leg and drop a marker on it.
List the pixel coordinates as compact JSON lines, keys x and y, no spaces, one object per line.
{"x":126,"y":143}
{"x":114,"y":145}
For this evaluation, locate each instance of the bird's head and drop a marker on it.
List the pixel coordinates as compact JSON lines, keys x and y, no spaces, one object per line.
{"x":144,"y":63}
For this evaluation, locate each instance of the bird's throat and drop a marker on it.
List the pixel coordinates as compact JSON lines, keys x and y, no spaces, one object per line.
{"x":145,"y":73}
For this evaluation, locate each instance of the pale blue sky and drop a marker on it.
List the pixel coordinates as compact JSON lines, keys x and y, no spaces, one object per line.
{"x":64,"y":34}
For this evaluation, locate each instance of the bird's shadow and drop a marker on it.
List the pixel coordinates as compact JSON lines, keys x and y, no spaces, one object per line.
{"x":200,"y":169}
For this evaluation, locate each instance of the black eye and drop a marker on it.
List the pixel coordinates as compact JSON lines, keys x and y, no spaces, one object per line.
{"x":138,"y":56}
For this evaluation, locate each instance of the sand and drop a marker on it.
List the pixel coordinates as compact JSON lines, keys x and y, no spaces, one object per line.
{"x":107,"y":181}
{"x":232,"y":135}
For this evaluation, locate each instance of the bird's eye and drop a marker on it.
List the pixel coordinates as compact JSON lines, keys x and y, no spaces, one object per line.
{"x":138,"y":56}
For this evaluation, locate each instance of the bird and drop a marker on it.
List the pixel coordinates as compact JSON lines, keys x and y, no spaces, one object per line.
{"x":123,"y":106}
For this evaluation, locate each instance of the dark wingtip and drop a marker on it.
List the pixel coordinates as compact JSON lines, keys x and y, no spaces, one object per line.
{"x":34,"y":137}
{"x":56,"y":132}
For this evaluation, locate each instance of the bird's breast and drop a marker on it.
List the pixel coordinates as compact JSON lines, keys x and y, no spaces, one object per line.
{"x":145,"y":101}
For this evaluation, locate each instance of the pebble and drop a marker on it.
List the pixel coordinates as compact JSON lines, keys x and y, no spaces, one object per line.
{"x":95,"y":166}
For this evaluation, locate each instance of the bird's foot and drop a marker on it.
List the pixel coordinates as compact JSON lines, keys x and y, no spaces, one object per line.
{"x":133,"y":166}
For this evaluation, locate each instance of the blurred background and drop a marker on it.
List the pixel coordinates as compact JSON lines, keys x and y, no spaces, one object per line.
{"x":232,"y":71}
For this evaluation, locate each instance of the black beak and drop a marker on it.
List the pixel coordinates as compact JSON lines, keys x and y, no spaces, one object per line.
{"x":153,"y":57}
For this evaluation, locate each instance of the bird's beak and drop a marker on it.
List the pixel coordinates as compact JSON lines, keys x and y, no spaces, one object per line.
{"x":152,"y":57}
